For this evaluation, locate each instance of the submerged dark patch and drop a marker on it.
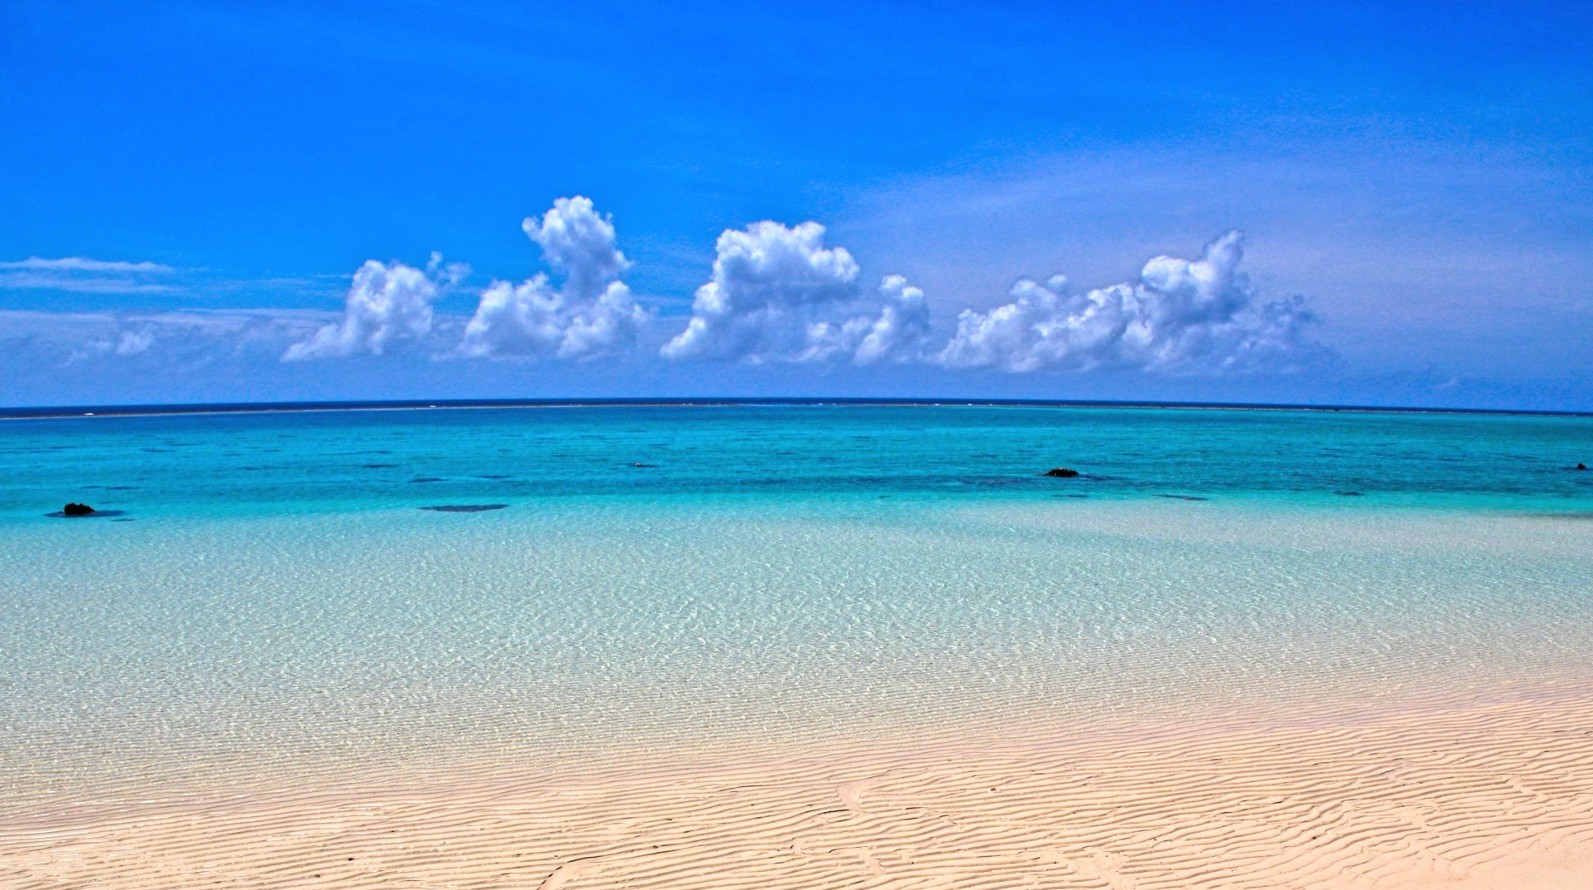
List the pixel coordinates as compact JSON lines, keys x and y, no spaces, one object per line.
{"x":992,"y":481}
{"x":464,"y":508}
{"x":97,"y":514}
{"x":378,"y":466}
{"x":1182,"y":497}
{"x":425,"y":479}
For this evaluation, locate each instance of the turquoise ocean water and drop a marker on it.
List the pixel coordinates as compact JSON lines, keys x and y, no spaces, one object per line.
{"x":269,"y":596}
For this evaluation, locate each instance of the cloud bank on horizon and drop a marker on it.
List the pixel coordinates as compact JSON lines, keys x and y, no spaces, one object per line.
{"x":1181,"y":315}
{"x":779,"y":294}
{"x":782,"y":309}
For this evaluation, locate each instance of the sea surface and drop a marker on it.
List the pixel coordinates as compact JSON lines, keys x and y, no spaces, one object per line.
{"x":267,"y":594}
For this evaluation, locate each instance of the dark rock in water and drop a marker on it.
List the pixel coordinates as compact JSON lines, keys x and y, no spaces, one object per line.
{"x":465,"y":508}
{"x":76,"y":514}
{"x":1581,"y":466}
{"x":1061,"y":473}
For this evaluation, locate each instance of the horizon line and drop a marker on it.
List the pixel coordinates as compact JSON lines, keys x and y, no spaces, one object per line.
{"x":185,"y":408}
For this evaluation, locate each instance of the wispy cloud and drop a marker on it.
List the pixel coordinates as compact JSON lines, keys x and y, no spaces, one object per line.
{"x":68,"y":338}
{"x":84,"y":264}
{"x":91,"y":285}
{"x":84,"y":275}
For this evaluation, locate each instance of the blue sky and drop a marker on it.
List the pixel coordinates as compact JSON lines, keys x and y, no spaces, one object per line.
{"x":191,"y":196}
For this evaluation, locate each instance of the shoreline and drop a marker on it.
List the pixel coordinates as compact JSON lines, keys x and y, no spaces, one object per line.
{"x":1418,"y":793}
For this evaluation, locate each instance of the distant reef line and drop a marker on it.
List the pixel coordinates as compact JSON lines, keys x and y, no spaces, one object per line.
{"x":83,"y":411}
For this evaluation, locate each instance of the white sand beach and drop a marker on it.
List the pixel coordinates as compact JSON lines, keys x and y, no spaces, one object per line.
{"x":1490,"y":795}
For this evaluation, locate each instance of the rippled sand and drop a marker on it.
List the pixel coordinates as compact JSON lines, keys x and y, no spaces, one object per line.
{"x":1486,"y":795}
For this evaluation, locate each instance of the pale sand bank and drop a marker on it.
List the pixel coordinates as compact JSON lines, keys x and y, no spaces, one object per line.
{"x":1486,"y":796}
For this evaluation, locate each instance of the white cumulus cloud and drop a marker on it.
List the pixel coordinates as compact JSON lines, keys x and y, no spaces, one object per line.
{"x":592,"y":314}
{"x":776,"y":294}
{"x":899,"y":333}
{"x":779,"y":295}
{"x":1180,"y":316}
{"x":902,"y":330}
{"x":770,"y":287}
{"x":387,"y":303}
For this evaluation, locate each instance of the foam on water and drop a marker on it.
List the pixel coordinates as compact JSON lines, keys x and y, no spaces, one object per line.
{"x":256,"y":621}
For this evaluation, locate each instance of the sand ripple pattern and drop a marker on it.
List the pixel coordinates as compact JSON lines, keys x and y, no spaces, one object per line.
{"x":1490,"y":796}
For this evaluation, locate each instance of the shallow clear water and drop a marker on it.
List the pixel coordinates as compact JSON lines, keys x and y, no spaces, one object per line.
{"x":271,"y":595}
